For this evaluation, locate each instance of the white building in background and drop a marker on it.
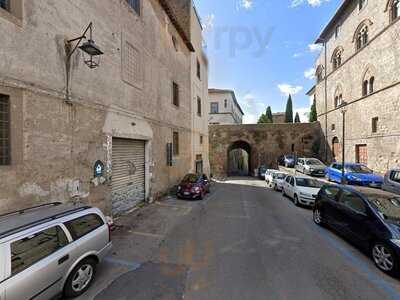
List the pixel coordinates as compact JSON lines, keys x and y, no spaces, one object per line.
{"x":224,"y":108}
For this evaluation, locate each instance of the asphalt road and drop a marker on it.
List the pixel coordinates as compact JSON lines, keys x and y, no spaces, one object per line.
{"x":245,"y":241}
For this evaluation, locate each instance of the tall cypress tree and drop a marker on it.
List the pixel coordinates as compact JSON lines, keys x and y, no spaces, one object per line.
{"x":269,"y":115}
{"x":289,"y":110}
{"x":297,"y":118}
{"x":313,"y":112}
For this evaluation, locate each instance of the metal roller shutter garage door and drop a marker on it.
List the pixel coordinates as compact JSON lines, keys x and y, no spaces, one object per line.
{"x":128,"y":174}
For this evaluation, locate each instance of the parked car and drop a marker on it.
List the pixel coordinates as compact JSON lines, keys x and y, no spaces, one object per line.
{"x":50,"y":250}
{"x":269,"y":176}
{"x":193,"y":186}
{"x":287,"y":160}
{"x":278,"y":179}
{"x":367,"y":217}
{"x":391,"y":181}
{"x":310,"y":166}
{"x":354,"y":174}
{"x":261,"y":171}
{"x":303,"y":190}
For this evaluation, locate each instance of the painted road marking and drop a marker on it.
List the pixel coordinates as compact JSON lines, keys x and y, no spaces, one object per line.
{"x":130,"y":264}
{"x":380,"y":282}
{"x":153,"y":235}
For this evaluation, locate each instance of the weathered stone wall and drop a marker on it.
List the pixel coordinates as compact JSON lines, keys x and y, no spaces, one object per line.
{"x":379,"y":58}
{"x":267,"y":142}
{"x":55,"y":144}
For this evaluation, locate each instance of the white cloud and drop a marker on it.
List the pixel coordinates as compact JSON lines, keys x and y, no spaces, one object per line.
{"x":252,"y":108}
{"x":309,"y":74}
{"x":208,"y":22}
{"x":289,"y":89}
{"x":304,"y":113}
{"x":313,"y":3}
{"x":314,"y":47}
{"x":297,"y":55}
{"x":246,"y":4}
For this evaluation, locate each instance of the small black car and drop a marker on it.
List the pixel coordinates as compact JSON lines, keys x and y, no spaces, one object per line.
{"x":193,"y":186}
{"x":367,"y":217}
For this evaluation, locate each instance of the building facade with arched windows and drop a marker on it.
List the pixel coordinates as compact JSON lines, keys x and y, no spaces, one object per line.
{"x":362,"y":65}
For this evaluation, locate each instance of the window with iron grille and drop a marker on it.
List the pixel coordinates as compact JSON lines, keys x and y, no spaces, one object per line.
{"x":175,"y":143}
{"x":198,"y":70}
{"x":135,"y":4}
{"x":375,"y":125}
{"x":5,"y":143}
{"x":4,"y":4}
{"x":175,"y":93}
{"x":198,"y":106}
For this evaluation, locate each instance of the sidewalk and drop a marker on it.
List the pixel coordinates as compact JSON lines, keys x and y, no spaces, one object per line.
{"x":137,"y":238}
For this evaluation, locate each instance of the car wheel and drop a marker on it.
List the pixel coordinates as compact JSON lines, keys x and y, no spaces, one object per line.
{"x":384,"y":258}
{"x":317,"y":217}
{"x":296,"y":200}
{"x":275,"y":188}
{"x":80,"y":278}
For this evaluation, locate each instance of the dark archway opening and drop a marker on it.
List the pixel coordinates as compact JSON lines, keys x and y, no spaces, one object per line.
{"x":239,"y":159}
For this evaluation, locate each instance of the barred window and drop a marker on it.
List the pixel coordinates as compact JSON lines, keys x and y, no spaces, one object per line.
{"x":5,"y":144}
{"x":175,"y":143}
{"x":135,"y":4}
{"x":175,"y":94}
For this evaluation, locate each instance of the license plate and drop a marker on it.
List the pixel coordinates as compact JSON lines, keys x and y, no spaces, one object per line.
{"x":186,"y":193}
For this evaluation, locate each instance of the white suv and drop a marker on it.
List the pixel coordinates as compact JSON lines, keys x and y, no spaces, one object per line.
{"x":50,"y":250}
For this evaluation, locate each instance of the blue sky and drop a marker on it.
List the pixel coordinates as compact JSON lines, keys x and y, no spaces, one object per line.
{"x":262,"y":49}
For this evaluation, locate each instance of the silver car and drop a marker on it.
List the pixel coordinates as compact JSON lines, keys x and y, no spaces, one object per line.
{"x":310,"y":166}
{"x":51,"y":250}
{"x":391,"y":182}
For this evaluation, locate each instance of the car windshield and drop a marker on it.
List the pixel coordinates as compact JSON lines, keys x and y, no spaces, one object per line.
{"x":358,"y":169}
{"x":280,"y":176}
{"x":387,"y":206}
{"x":289,"y":156}
{"x":314,"y":162}
{"x":308,"y":182}
{"x":190,"y":178}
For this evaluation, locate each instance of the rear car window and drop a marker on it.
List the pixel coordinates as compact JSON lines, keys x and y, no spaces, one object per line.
{"x":31,"y":249}
{"x":395,"y":176}
{"x":83,"y":225}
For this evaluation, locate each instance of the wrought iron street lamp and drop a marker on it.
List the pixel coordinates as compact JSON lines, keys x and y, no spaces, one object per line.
{"x":91,"y":51}
{"x":343,"y":109}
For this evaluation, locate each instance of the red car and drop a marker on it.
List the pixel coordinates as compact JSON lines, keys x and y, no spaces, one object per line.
{"x":193,"y":187}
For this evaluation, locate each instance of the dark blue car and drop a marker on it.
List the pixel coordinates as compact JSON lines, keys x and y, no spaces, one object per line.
{"x":369,"y":218}
{"x":357,"y":174}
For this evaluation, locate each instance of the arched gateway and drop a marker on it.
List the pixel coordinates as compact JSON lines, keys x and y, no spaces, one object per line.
{"x":239,"y":149}
{"x":239,"y":159}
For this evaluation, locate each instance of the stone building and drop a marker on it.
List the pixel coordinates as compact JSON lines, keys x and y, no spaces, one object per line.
{"x":262,"y":143}
{"x":359,"y":66}
{"x":224,"y":108}
{"x":110,"y":136}
{"x":278,"y":117}
{"x":200,"y":111}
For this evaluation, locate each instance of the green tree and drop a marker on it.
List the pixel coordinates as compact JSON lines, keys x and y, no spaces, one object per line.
{"x":269,"y":115}
{"x":266,"y":118}
{"x":262,"y":119}
{"x":297,"y":118}
{"x":313,"y":113}
{"x":289,"y":110}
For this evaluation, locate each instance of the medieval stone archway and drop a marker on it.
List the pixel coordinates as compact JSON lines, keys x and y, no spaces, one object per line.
{"x":239,"y":159}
